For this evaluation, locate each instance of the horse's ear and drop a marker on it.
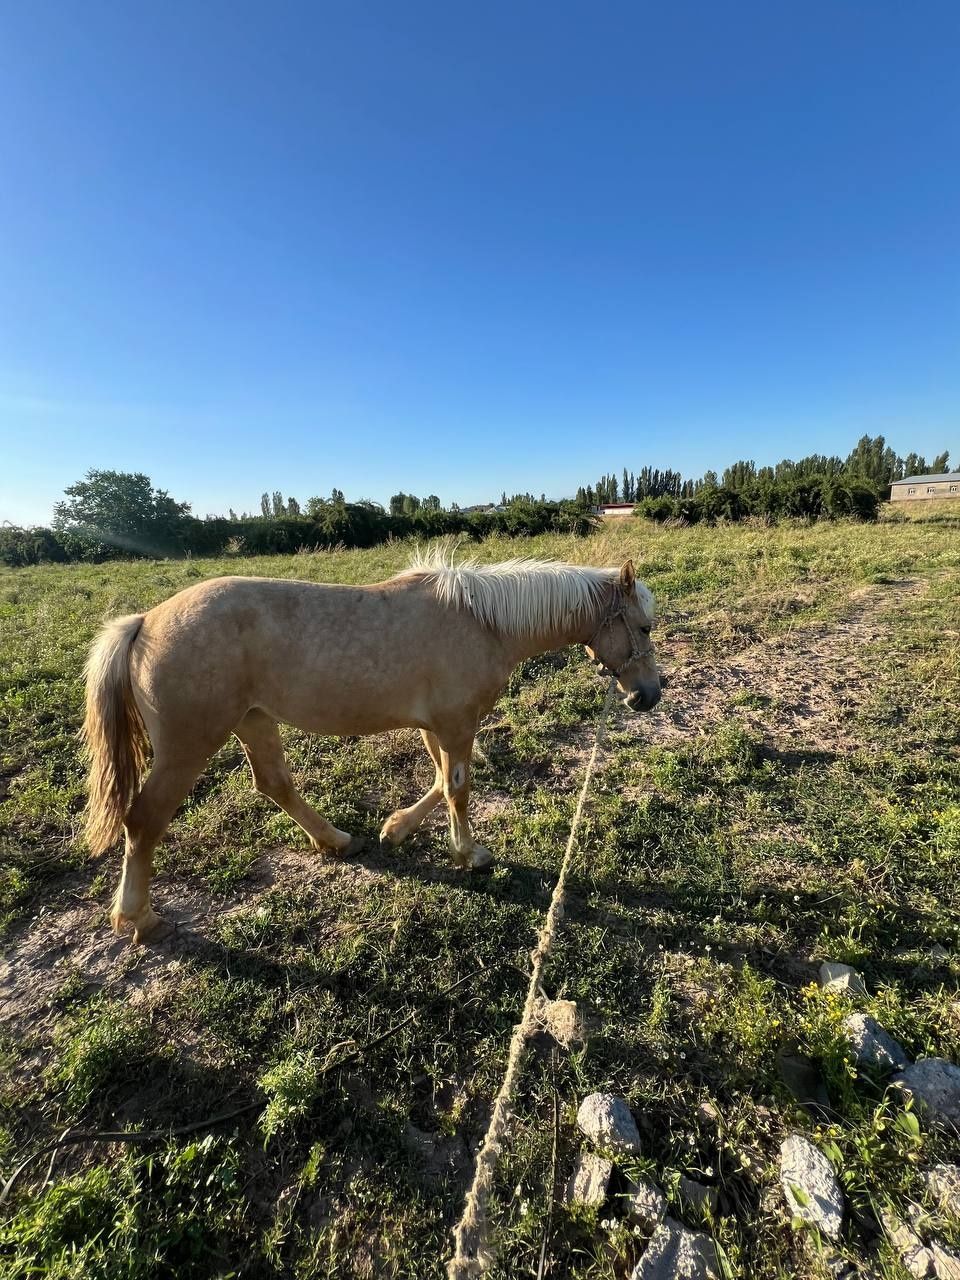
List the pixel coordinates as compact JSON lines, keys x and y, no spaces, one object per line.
{"x":628,"y":577}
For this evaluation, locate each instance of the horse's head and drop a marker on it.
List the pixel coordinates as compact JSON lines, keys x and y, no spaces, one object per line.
{"x":622,"y":646}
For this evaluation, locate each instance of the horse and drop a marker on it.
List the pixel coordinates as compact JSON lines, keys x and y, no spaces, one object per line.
{"x":431,"y":648}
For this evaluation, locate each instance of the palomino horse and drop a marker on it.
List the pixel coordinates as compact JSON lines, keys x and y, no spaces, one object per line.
{"x":429,"y":649}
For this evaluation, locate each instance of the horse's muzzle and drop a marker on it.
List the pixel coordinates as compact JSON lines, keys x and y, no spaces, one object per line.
{"x":644,"y":698}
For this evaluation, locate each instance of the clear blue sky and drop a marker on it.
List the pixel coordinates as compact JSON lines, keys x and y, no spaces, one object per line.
{"x":460,"y":248}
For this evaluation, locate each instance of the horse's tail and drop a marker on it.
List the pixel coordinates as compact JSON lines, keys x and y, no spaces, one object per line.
{"x":113,"y":732}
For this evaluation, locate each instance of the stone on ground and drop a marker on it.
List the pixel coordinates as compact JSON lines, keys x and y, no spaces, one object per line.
{"x":840,"y":977}
{"x":946,"y":1265}
{"x":872,"y":1045}
{"x":697,"y":1195}
{"x":943,"y":1183}
{"x":646,"y":1205}
{"x":675,"y":1253}
{"x":916,"y":1258}
{"x":935,"y":1083}
{"x":820,"y":1200}
{"x":589,"y":1181}
{"x":606,"y":1120}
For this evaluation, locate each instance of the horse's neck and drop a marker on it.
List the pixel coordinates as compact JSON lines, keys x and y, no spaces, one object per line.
{"x":577,"y":629}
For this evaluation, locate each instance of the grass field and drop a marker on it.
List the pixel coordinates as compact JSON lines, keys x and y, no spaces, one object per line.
{"x":795,"y":798}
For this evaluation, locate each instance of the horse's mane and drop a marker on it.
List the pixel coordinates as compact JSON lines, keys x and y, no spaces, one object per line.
{"x":520,"y":596}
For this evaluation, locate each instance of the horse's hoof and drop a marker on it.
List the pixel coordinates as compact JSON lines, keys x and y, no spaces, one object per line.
{"x":147,"y":925}
{"x":392,"y":832}
{"x":480,"y":858}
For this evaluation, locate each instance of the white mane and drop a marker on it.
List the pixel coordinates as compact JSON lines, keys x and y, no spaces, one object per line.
{"x":521,"y":596}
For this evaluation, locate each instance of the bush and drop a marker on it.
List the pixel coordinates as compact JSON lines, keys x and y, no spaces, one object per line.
{"x":804,"y":497}
{"x":335,"y":524}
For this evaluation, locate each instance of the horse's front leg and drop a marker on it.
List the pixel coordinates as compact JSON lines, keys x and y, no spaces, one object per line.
{"x":404,"y":822}
{"x":455,"y":753}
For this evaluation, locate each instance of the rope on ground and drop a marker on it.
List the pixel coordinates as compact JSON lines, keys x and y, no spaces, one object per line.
{"x":472,"y":1252}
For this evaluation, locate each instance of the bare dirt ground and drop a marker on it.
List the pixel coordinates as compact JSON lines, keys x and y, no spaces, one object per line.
{"x":800,"y":685}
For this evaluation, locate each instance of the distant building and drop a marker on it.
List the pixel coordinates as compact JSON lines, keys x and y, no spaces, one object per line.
{"x":946,"y":485}
{"x":615,"y":509}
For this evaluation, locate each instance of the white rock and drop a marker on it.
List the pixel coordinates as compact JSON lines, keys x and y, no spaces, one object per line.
{"x":674,"y":1253}
{"x":943,"y":1183}
{"x":804,"y":1166}
{"x":872,"y":1045}
{"x":915,"y":1256}
{"x":840,"y":977}
{"x":589,"y":1181}
{"x":935,"y":1083}
{"x":946,"y":1265}
{"x":646,"y":1205}
{"x":606,"y":1120}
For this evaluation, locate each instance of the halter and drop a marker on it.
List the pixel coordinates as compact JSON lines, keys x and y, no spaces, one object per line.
{"x":619,"y":610}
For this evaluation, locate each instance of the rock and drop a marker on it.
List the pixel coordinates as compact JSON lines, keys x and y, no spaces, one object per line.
{"x":589,"y":1181}
{"x":840,"y":977}
{"x":820,"y":1200}
{"x":872,"y":1045}
{"x":645,"y":1205}
{"x":674,"y":1253}
{"x":935,"y":1083}
{"x":915,"y":1256}
{"x":946,"y":1265}
{"x":938,"y":953}
{"x":697,"y":1195}
{"x":943,"y":1183}
{"x":606,"y":1120}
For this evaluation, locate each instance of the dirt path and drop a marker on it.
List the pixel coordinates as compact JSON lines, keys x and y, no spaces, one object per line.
{"x":798,"y":687}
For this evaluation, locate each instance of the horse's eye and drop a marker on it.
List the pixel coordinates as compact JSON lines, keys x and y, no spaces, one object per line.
{"x":645,"y":630}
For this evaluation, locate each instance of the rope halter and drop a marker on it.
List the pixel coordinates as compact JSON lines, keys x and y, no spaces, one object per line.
{"x":619,"y":610}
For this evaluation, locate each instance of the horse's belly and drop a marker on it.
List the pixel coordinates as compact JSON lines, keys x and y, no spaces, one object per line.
{"x":347,"y":717}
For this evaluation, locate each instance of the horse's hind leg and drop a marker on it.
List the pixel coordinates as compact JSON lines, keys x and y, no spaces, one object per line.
{"x":260,"y":737}
{"x":404,"y":822}
{"x":167,"y":786}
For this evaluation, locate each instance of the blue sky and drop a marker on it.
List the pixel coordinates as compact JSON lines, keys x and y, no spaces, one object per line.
{"x":462,"y":248}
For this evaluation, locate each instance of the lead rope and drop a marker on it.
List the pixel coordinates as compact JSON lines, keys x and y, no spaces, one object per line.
{"x":472,"y":1254}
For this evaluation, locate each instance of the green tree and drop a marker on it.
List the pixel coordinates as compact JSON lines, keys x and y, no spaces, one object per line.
{"x":121,"y":509}
{"x":941,"y":463}
{"x":265,"y":505}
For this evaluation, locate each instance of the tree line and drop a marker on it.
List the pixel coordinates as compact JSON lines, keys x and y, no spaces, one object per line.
{"x":871,"y":461}
{"x":112,"y":513}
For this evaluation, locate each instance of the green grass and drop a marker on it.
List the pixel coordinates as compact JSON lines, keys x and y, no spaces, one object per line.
{"x":718,"y":870}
